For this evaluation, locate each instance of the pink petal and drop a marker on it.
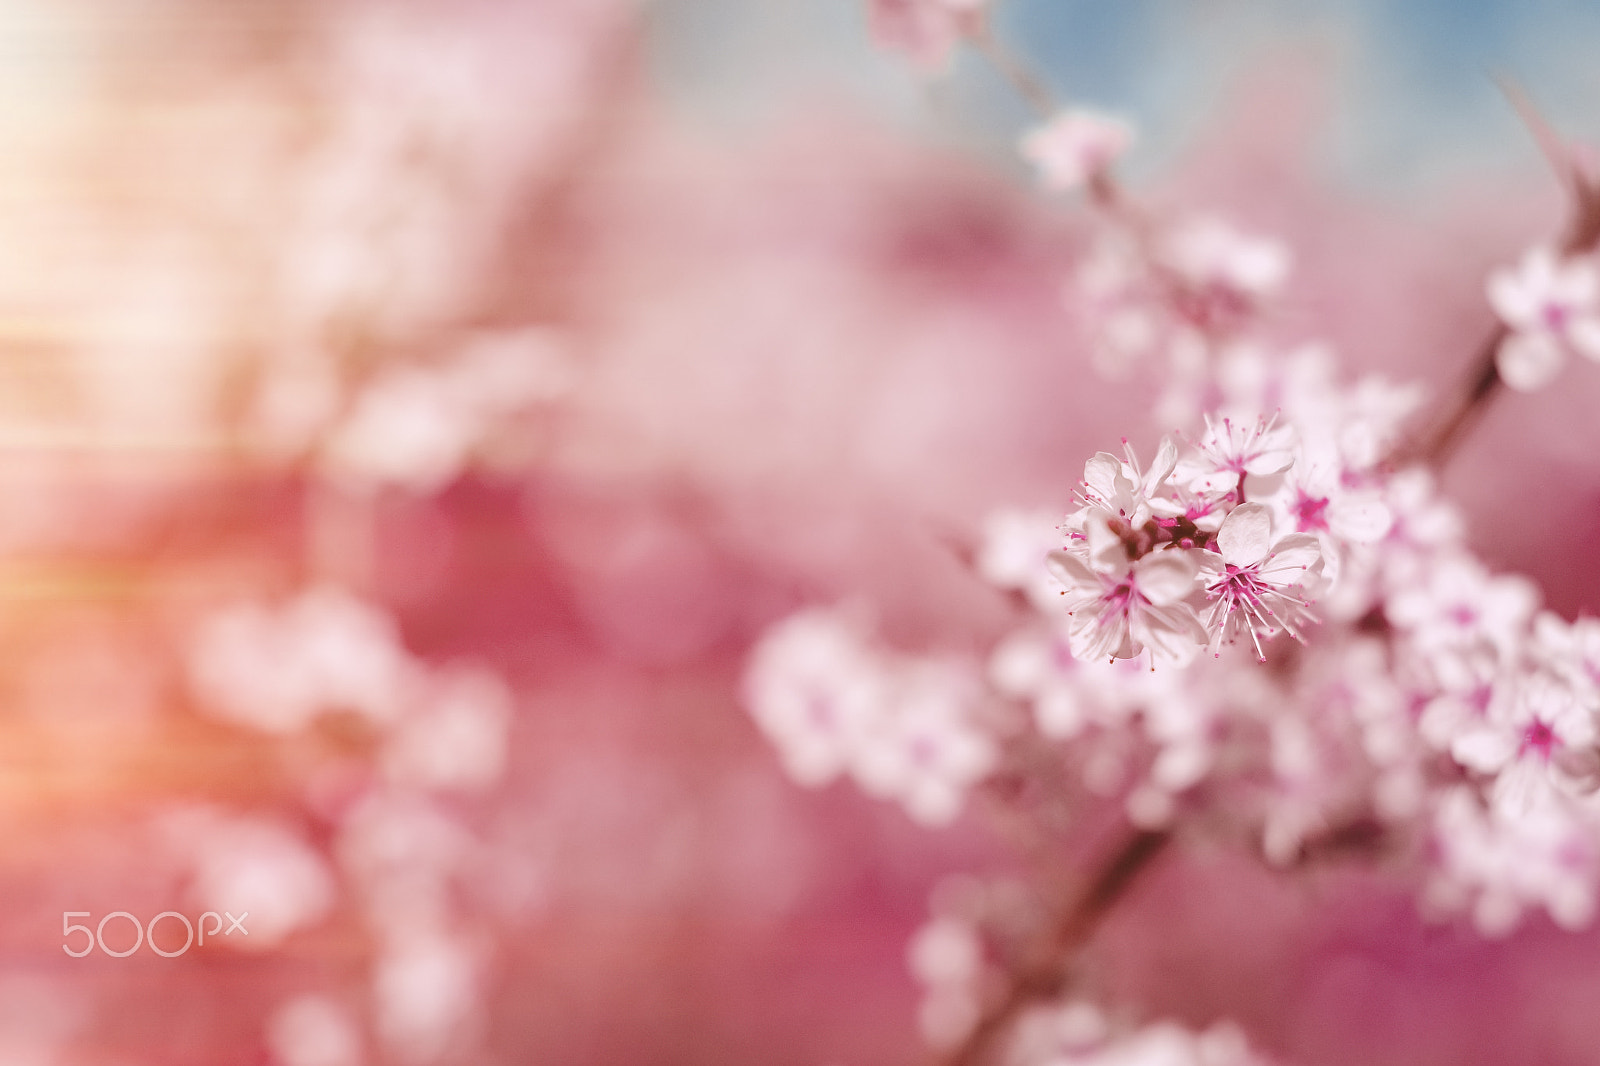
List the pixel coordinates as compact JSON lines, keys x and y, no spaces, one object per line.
{"x":1529,"y":361}
{"x":1511,"y":299}
{"x":1167,"y":576}
{"x":1576,"y":284}
{"x":1584,"y":336}
{"x":1161,"y":469}
{"x":1484,"y":750}
{"x":1295,"y":560}
{"x":1246,"y":535}
{"x":1106,"y":552}
{"x":1070,"y":570}
{"x":1172,"y":633}
{"x":1269,"y":462}
{"x":1363,"y":521}
{"x":1103,"y":475}
{"x":1095,"y":635}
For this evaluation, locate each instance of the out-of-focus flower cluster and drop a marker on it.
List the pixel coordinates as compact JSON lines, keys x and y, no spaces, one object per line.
{"x":409,"y":429}
{"x":1549,"y":304}
{"x":927,"y":31}
{"x":835,"y":703}
{"x":1401,"y":701}
{"x":411,"y":737}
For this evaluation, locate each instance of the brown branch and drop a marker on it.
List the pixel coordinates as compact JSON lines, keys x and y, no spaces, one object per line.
{"x":1583,"y":234}
{"x":1483,"y":383}
{"x":1046,"y":976}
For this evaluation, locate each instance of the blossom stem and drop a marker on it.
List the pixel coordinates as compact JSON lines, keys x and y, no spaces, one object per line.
{"x":1046,"y":976}
{"x":1583,"y":234}
{"x":1028,"y":85}
{"x":1104,"y":192}
{"x":1485,"y":382}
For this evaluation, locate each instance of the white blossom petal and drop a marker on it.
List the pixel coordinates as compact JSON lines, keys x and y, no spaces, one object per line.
{"x":1165,"y":577}
{"x":1173,"y":633}
{"x":1529,"y":361}
{"x":1362,"y":519}
{"x":1103,"y":474}
{"x":1583,"y":335}
{"x":1484,"y":750}
{"x":1070,"y":570}
{"x":1246,"y":535}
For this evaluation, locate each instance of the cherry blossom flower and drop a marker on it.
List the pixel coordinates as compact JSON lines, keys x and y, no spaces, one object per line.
{"x":946,"y":958}
{"x":1210,"y":250}
{"x":400,"y":849}
{"x":1036,"y":664}
{"x":1117,"y":297}
{"x":926,"y":750}
{"x":1075,"y":147}
{"x":1078,"y":1034}
{"x":1120,"y":489}
{"x":325,"y":650}
{"x":1060,"y":1029}
{"x":1552,"y":307}
{"x":1117,"y":612}
{"x":405,"y":430}
{"x":1224,"y":273}
{"x":902,"y":727}
{"x":1496,"y":865}
{"x":1319,"y":497}
{"x":926,"y":30}
{"x":1468,"y":691}
{"x":1232,"y":450}
{"x":1541,"y":738}
{"x":426,"y":995}
{"x":1179,"y":719}
{"x":1423,"y":522}
{"x":1455,"y":604}
{"x":254,"y":864}
{"x":417,"y":427}
{"x":1259,"y":584}
{"x":313,"y":1030}
{"x":813,"y":687}
{"x":1317,"y":776}
{"x":1012,"y":553}
{"x":456,"y":738}
{"x":1569,"y":650}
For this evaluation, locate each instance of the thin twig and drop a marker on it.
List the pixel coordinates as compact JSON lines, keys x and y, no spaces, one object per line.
{"x":1046,"y":976}
{"x":1028,"y":85}
{"x":1103,"y":190}
{"x":1583,"y":234}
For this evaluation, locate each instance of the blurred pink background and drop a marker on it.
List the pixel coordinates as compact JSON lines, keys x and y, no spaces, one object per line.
{"x":782,"y":358}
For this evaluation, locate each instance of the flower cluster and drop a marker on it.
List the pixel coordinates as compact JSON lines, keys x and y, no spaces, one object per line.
{"x":1075,"y":148}
{"x":1079,"y":1034}
{"x":1185,"y":292}
{"x":1148,"y":545}
{"x":1423,"y":708}
{"x":415,"y":427}
{"x":948,"y":958}
{"x":834,"y":703}
{"x":927,"y":31}
{"x":1550,"y":305}
{"x":384,"y":740}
